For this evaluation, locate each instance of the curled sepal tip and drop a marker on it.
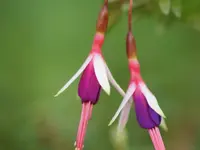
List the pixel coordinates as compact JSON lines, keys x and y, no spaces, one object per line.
{"x":76,"y":75}
{"x":124,"y":115}
{"x":126,"y":99}
{"x":114,"y":82}
{"x":163,"y":124}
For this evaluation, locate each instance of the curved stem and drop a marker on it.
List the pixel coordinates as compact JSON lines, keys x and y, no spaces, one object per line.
{"x":130,"y":15}
{"x":105,"y":2}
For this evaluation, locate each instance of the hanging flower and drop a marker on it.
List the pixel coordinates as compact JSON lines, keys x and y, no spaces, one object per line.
{"x":95,"y":75}
{"x":148,"y":112}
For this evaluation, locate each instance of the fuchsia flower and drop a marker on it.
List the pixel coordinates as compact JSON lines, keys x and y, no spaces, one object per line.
{"x":95,"y":75}
{"x":148,"y":112}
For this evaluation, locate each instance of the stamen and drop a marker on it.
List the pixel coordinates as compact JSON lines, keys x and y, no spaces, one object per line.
{"x":153,"y":139}
{"x":85,"y":116}
{"x":156,"y":139}
{"x":80,"y":128}
{"x":159,"y":138}
{"x":90,"y":114}
{"x":85,"y":123}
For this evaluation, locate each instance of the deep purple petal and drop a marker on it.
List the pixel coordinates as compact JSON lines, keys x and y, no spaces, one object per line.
{"x":146,"y":116}
{"x":154,"y":116}
{"x":89,"y":88}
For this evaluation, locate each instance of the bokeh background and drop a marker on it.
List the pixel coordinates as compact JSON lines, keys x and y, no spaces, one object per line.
{"x":44,"y":42}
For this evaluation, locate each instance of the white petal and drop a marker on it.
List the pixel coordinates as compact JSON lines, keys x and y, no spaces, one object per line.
{"x":163,"y":124}
{"x":151,"y":100}
{"x":123,"y":119}
{"x":113,"y":82}
{"x":84,"y":65}
{"x":125,"y":111}
{"x":127,"y":96}
{"x":100,"y":72}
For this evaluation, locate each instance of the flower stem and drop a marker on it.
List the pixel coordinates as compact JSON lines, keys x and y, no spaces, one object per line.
{"x":130,"y":15}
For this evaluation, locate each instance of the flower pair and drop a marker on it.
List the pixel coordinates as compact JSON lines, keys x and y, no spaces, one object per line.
{"x":96,"y":76}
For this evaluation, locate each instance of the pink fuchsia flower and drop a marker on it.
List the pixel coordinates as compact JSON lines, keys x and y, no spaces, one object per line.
{"x":148,"y":112}
{"x":95,"y":75}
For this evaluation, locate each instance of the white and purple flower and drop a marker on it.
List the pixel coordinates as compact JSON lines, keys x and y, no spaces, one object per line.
{"x":95,"y":76}
{"x":148,"y":112}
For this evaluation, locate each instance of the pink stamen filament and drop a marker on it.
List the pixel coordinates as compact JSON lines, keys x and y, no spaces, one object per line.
{"x":80,"y":127}
{"x":85,"y":116}
{"x":160,"y":138}
{"x":156,"y":139}
{"x":85,"y":123}
{"x":90,"y":114}
{"x":153,"y":139}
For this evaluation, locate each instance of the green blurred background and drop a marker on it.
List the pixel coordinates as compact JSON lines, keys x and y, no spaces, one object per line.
{"x":44,"y":42}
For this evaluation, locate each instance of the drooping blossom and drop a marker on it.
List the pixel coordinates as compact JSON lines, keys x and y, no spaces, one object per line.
{"x":148,"y":112}
{"x":95,"y":75}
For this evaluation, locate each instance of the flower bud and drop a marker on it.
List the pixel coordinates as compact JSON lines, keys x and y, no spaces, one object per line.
{"x":130,"y":46}
{"x":102,"y":21}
